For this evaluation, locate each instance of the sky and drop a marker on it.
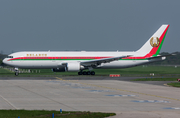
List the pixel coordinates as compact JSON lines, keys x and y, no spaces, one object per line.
{"x":86,"y":25}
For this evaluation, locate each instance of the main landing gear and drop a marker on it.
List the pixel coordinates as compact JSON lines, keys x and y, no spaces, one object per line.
{"x":86,"y":73}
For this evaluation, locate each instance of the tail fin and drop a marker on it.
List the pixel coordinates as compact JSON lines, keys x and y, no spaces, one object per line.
{"x":153,"y":46}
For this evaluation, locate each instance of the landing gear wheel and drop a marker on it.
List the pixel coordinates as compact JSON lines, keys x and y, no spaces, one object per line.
{"x":84,"y":73}
{"x":88,"y":73}
{"x":80,"y":73}
{"x":16,"y":73}
{"x":92,"y":73}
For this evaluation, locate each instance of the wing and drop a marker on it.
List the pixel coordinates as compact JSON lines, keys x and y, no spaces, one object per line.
{"x":95,"y":63}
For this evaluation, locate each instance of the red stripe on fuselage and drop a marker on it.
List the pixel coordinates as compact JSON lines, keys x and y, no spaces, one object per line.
{"x":24,"y":58}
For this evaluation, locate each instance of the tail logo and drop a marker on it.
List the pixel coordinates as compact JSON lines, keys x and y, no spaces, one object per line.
{"x":154,"y":41}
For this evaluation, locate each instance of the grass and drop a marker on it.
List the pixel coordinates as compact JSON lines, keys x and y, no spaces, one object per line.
{"x":4,"y":71}
{"x":155,"y":79}
{"x":48,"y":114}
{"x":134,"y":71}
{"x":174,"y":84}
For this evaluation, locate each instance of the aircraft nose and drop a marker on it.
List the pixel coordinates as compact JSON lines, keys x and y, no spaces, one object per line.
{"x":5,"y":61}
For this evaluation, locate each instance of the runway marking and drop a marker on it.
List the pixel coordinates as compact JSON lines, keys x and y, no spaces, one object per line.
{"x":100,"y":91}
{"x":122,"y":90}
{"x":81,"y":87}
{"x":122,"y":95}
{"x":8,"y":102}
{"x":59,"y":78}
{"x":151,"y":101}
{"x":176,"y":108}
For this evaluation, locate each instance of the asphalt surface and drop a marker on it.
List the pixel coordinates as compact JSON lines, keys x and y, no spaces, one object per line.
{"x":128,"y":99}
{"x":161,"y":83}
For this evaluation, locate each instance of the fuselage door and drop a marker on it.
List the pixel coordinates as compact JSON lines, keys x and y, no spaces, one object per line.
{"x":22,"y":58}
{"x":134,"y":59}
{"x":53,"y":58}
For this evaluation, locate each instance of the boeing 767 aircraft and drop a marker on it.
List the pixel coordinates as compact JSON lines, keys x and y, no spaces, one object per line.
{"x":62,"y":61}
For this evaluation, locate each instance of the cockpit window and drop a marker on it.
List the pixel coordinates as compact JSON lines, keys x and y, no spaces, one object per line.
{"x":10,"y":57}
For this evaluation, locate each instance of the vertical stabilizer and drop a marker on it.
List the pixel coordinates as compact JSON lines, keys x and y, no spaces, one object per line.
{"x":153,"y":46}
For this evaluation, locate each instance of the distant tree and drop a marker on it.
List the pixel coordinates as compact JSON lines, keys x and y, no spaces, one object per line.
{"x":2,"y":56}
{"x":0,"y":61}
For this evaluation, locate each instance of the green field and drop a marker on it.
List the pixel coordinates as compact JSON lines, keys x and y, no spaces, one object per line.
{"x":162,"y":71}
{"x":155,"y":79}
{"x":5,"y":71}
{"x":174,"y":84}
{"x":48,"y":114}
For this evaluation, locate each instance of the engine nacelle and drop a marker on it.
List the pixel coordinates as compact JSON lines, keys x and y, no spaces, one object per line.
{"x":73,"y":66}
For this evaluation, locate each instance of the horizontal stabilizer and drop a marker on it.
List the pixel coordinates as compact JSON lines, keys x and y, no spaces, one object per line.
{"x":159,"y":56}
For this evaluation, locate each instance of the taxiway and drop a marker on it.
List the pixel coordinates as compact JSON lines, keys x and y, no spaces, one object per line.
{"x":98,"y":94}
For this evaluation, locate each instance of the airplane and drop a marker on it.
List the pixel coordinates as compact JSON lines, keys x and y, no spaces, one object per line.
{"x":62,"y":61}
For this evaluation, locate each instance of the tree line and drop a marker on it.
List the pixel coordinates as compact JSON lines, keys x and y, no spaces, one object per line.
{"x":170,"y":60}
{"x":2,"y":56}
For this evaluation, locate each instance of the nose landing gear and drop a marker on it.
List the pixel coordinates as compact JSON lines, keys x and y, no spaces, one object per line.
{"x":16,"y":71}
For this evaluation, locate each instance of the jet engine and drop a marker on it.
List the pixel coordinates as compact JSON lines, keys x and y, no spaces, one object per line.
{"x":60,"y":69}
{"x":72,"y":66}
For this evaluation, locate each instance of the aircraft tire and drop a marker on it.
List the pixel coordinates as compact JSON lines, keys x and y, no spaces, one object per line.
{"x":16,"y":73}
{"x":84,"y":73}
{"x":80,"y":73}
{"x":92,"y":73}
{"x":88,"y":73}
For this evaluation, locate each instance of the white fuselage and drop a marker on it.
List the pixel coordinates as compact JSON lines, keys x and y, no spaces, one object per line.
{"x":56,"y":59}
